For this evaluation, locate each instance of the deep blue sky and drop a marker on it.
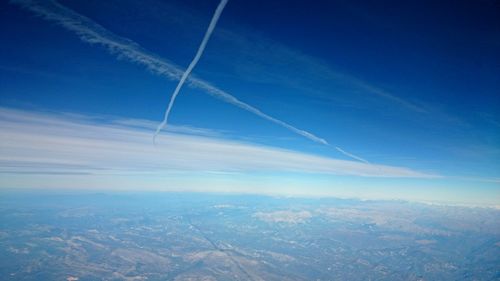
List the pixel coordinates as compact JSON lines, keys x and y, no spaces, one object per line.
{"x":404,"y":83}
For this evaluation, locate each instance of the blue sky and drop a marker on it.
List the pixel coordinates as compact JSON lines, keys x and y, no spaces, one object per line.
{"x":411,"y":86}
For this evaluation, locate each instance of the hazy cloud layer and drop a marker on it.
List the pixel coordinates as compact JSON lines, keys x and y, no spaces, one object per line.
{"x":33,"y":142}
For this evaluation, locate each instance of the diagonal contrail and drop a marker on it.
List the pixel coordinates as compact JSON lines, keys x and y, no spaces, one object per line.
{"x":350,"y":155}
{"x":93,"y":33}
{"x":193,"y":63}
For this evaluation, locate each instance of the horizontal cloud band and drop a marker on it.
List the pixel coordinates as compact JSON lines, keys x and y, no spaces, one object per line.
{"x":34,"y":142}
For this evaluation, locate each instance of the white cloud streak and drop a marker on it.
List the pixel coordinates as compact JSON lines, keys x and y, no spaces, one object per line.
{"x":350,"y":155}
{"x":193,"y":63}
{"x":54,"y":144}
{"x":93,"y":33}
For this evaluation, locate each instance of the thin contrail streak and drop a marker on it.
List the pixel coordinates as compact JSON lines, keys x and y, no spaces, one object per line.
{"x":93,"y":33}
{"x":350,"y":155}
{"x":193,"y":63}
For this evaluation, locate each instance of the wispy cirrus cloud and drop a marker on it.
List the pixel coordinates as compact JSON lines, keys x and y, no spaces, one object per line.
{"x":52,"y":143}
{"x":260,"y":59}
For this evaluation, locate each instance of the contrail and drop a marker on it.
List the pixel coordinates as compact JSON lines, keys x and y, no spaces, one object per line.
{"x":193,"y":63}
{"x":350,"y":155}
{"x":93,"y":33}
